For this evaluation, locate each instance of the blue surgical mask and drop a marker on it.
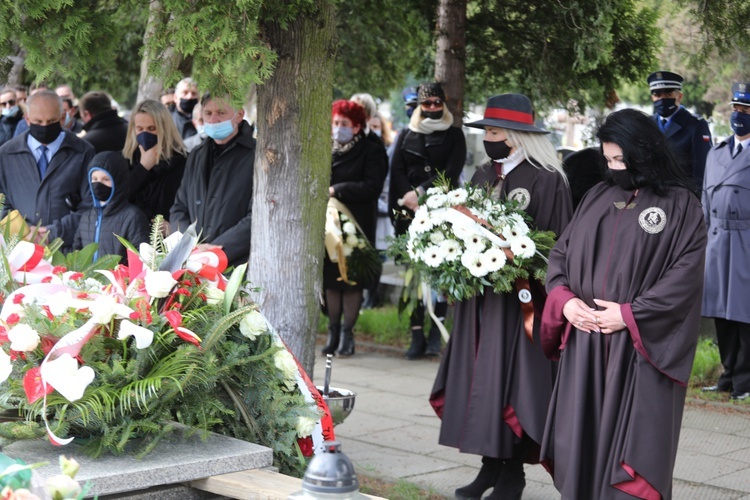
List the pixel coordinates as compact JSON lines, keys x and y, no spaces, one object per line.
{"x":10,"y":111}
{"x":342,"y":135}
{"x":740,"y":123}
{"x":219,"y":131}
{"x":147,"y":140}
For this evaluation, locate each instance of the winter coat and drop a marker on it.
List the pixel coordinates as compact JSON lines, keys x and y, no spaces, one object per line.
{"x":8,"y":126}
{"x":153,"y":191}
{"x":42,"y":201}
{"x":216,"y":191}
{"x":357,"y":179}
{"x":184,"y":124}
{"x":419,"y":158}
{"x":106,"y":131}
{"x":726,"y":209}
{"x":102,"y":224}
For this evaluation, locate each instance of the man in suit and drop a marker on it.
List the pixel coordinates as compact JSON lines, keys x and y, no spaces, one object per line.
{"x":686,"y":134}
{"x":43,"y":172}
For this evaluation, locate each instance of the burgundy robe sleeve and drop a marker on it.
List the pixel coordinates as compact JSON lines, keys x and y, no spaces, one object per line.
{"x":663,"y":319}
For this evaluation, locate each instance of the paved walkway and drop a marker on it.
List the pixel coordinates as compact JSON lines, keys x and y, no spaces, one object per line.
{"x":393,"y":433}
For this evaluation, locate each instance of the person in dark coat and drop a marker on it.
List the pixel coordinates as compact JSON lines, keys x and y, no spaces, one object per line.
{"x":430,"y":146}
{"x":43,"y":171}
{"x":11,"y":114}
{"x":105,"y":130}
{"x":157,"y":157}
{"x":622,"y":317}
{"x":686,"y":134}
{"x":358,"y":169}
{"x":726,"y":208}
{"x":584,"y":171}
{"x":493,"y":386}
{"x":217,"y":187}
{"x":111,"y":215}
{"x":185,"y":99}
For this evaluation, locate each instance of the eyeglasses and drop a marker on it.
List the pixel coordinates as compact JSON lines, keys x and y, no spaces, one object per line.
{"x":9,"y":103}
{"x":432,"y":104}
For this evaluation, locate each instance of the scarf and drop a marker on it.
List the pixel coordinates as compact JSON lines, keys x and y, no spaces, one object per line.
{"x":339,"y":149}
{"x":428,"y":125}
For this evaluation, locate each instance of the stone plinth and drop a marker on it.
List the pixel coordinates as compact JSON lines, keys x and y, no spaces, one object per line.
{"x":176,"y":459}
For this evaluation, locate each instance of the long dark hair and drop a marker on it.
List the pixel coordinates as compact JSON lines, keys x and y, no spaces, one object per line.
{"x":645,"y":151}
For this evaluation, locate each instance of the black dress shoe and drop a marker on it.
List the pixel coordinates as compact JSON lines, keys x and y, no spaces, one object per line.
{"x":740,"y":396}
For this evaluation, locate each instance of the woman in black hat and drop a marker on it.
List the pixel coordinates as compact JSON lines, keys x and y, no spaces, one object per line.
{"x":493,"y":386}
{"x":431,"y":145}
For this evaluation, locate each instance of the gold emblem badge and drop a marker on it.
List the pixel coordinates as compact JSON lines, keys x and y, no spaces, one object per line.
{"x":520,"y":196}
{"x":652,"y":220}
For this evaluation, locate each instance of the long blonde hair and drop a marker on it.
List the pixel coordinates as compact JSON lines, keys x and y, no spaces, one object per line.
{"x":537,"y":149}
{"x":170,"y":141}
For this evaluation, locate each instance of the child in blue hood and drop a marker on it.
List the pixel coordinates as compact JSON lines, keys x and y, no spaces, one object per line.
{"x":112,"y":214}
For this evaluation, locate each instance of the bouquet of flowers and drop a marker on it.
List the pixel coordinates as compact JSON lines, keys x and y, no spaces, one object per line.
{"x":348,"y":246}
{"x":463,"y":240}
{"x":17,"y":481}
{"x":118,"y":357}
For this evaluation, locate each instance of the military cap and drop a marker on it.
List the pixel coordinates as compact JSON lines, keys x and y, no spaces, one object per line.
{"x":741,"y":94}
{"x":664,"y":80}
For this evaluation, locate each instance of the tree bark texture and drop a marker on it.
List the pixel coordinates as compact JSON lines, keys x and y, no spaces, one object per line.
{"x":151,"y":86}
{"x":450,"y":59}
{"x":292,"y":175}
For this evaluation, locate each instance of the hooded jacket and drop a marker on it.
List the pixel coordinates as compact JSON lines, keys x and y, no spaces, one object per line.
{"x":114,"y":216}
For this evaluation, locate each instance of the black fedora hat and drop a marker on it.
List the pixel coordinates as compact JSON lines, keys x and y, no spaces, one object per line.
{"x":509,"y":111}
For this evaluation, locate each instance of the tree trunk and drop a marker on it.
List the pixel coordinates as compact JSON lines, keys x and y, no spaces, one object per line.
{"x":292,"y":174}
{"x":15,"y":76}
{"x":151,"y":86}
{"x":450,"y":59}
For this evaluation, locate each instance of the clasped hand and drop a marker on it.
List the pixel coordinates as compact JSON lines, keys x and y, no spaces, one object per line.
{"x":606,"y":319}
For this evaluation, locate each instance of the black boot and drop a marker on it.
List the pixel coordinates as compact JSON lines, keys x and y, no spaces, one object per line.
{"x":346,"y":347}
{"x":334,"y":332}
{"x":434,"y":342}
{"x":418,"y":344}
{"x":511,"y":482}
{"x":486,"y":479}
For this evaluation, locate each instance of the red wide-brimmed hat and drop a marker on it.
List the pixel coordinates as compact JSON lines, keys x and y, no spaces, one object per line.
{"x":509,"y":111}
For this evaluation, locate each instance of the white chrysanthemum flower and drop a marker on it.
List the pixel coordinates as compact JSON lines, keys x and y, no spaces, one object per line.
{"x":473,"y":262}
{"x":433,"y":256}
{"x":352,"y":240}
{"x":476,"y":195}
{"x":494,"y":259}
{"x":23,"y":338}
{"x":253,"y":324}
{"x":523,"y":247}
{"x":349,"y":228}
{"x":421,"y":223}
{"x":410,"y":249}
{"x":437,"y":201}
{"x":451,"y":249}
{"x":436,"y":190}
{"x":458,"y":196}
{"x":514,"y":229}
{"x":436,"y":237}
{"x":475,"y":243}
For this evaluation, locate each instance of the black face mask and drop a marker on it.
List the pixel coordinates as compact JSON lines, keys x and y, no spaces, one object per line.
{"x":434,"y":115}
{"x":101,"y":191}
{"x":45,"y":134}
{"x":623,"y":179}
{"x":497,"y":150}
{"x":665,"y":107}
{"x":187,"y":105}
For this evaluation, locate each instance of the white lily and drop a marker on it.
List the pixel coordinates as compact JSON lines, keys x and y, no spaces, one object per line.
{"x":143,"y":336}
{"x":64,"y":375}
{"x":106,"y":307}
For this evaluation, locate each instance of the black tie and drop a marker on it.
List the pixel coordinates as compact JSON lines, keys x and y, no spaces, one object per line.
{"x":737,"y":151}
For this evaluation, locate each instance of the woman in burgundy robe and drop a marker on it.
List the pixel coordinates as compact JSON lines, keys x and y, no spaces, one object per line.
{"x":625,"y":282}
{"x":493,"y":386}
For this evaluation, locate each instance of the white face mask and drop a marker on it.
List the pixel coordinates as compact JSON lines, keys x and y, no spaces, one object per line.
{"x":342,"y":135}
